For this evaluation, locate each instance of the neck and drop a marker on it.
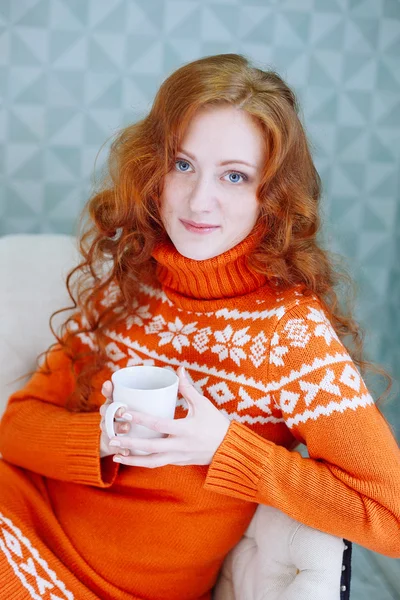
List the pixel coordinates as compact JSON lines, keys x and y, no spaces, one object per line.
{"x":225,"y":276}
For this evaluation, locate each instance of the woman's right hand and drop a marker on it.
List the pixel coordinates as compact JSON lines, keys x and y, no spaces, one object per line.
{"x":105,"y":448}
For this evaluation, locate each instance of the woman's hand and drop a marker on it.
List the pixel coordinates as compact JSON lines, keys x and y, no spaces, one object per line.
{"x":105,"y":448}
{"x":191,"y":441}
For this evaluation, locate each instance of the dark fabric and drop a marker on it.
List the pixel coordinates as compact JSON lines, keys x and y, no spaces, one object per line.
{"x":346,"y":572}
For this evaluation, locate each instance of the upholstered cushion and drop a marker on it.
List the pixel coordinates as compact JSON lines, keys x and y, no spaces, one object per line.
{"x":32,"y":274}
{"x":281,"y":559}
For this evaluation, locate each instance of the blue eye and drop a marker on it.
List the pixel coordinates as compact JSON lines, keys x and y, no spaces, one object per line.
{"x":242,"y":175}
{"x":237,"y":173}
{"x":182,"y":161}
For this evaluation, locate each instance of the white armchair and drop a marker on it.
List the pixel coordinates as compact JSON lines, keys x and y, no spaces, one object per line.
{"x":277,"y":558}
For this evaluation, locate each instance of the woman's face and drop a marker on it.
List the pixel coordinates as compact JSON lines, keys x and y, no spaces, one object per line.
{"x":209,"y":203}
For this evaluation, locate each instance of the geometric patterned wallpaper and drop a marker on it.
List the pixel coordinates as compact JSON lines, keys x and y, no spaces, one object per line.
{"x":72,"y":72}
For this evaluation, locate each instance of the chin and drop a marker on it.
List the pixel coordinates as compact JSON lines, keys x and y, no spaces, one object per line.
{"x":203,"y":249}
{"x":196,"y":254}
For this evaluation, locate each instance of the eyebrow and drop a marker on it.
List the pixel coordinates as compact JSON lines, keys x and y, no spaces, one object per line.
{"x":224,"y":162}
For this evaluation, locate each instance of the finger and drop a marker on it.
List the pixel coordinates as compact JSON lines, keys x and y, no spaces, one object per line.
{"x":169,"y":426}
{"x":107,"y":389}
{"x":121,"y":452}
{"x":150,"y":445}
{"x":152,"y":461}
{"x":121,"y":427}
{"x":103,"y":408}
{"x":188,"y":391}
{"x":120,"y":414}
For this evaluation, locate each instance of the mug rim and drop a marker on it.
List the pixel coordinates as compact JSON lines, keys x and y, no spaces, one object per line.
{"x":114,"y":376}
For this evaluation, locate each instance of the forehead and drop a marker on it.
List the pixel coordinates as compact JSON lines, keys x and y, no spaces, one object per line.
{"x":224,"y":133}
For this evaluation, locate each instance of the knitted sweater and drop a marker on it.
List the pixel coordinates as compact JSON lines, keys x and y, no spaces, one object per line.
{"x":269,"y":361}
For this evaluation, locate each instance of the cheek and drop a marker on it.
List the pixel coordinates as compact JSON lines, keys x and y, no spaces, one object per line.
{"x":166,"y":211}
{"x":246,"y":212}
{"x":169,"y":199}
{"x":165,"y":207}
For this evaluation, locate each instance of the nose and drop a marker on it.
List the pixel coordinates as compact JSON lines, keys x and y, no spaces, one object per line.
{"x":202,"y":196}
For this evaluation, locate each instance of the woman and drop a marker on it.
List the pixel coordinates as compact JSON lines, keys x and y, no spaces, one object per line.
{"x":201,"y":256}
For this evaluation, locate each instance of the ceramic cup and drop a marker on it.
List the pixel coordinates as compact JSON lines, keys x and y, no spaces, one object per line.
{"x":151,"y":390}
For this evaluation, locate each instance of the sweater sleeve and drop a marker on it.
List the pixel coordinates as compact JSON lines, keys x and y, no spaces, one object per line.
{"x":350,"y":484}
{"x":38,"y":433}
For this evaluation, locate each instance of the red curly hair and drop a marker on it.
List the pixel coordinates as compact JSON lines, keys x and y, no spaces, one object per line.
{"x":123,"y":216}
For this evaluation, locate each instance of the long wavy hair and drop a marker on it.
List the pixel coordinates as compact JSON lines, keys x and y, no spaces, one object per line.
{"x":120,"y":223}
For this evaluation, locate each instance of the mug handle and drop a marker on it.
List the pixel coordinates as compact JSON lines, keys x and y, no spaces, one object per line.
{"x":109,"y":417}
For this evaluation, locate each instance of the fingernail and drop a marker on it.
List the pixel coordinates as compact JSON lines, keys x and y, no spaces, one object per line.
{"x":115,"y":443}
{"x":116,"y":458}
{"x":127,"y":416}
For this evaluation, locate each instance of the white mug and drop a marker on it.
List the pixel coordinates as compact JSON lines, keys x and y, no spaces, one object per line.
{"x":151,"y":390}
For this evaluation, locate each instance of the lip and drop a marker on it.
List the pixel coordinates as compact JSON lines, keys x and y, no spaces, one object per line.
{"x":201,"y":228}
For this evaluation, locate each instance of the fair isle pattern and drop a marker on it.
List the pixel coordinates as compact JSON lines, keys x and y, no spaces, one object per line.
{"x":223,"y":312}
{"x":281,"y":365}
{"x":344,"y":404}
{"x":30,"y":568}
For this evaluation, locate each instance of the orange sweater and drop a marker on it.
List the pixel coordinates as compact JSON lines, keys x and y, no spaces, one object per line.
{"x":78,"y":526}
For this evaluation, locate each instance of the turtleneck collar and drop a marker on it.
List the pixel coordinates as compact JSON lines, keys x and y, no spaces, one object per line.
{"x":225,"y":276}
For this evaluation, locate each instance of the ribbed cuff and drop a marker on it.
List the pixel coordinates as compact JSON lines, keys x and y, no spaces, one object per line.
{"x":83,"y":452}
{"x":239,"y":463}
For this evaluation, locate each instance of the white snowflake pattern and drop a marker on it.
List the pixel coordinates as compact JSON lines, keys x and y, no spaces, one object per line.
{"x":200,"y":340}
{"x":141,"y":313}
{"x":177,"y":334}
{"x":324,"y":327}
{"x":88,"y":338}
{"x":277,"y":351}
{"x":111,"y":294}
{"x":156,"y":324}
{"x":131,"y":359}
{"x":258,"y":348}
{"x":230,"y":344}
{"x":297,"y":332}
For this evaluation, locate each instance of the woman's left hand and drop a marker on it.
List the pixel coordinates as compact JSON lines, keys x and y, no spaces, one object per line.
{"x":191,"y":441}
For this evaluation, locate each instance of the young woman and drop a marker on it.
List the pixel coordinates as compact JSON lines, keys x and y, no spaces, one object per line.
{"x":200,"y":255}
